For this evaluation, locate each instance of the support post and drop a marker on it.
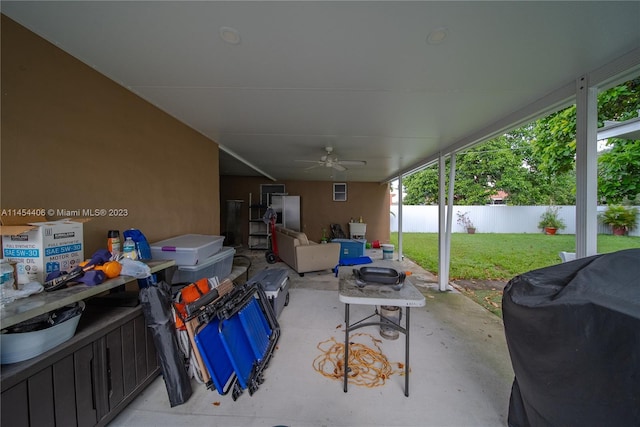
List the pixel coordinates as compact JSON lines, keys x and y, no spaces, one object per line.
{"x":586,"y":168}
{"x":452,"y":178}
{"x":443,"y":260}
{"x":400,"y":254}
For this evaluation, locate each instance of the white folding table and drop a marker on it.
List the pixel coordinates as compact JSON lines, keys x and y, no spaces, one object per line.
{"x":377,"y":295}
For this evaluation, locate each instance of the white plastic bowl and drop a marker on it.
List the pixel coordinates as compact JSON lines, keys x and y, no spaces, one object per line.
{"x":22,"y":346}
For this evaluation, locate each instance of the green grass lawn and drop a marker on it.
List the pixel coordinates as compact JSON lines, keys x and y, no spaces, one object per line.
{"x":491,"y":299}
{"x":499,"y":256}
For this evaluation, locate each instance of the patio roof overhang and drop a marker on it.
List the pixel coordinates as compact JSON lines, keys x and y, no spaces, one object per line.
{"x":628,"y":129}
{"x":583,"y":92}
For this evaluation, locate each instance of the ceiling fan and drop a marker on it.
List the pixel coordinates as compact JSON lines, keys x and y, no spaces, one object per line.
{"x":330,"y":160}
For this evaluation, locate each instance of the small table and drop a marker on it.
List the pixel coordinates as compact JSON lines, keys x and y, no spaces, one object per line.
{"x":350,"y":293}
{"x":27,"y":308}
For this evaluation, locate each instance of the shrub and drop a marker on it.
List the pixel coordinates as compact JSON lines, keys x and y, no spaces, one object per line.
{"x":464,"y":220}
{"x":550,"y":219}
{"x":618,"y":216}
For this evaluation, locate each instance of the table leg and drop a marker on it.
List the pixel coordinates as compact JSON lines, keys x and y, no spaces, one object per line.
{"x":346,"y":345}
{"x":346,"y":314}
{"x":406,"y":355}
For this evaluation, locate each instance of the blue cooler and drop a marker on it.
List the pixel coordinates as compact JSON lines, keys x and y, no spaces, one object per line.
{"x":351,"y":248}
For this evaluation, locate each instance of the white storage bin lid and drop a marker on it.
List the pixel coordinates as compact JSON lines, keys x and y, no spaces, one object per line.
{"x":187,"y":249}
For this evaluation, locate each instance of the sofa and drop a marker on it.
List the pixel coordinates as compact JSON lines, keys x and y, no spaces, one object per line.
{"x":303,"y":255}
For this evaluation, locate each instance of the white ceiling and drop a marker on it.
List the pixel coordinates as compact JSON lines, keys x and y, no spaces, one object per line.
{"x":359,"y":76}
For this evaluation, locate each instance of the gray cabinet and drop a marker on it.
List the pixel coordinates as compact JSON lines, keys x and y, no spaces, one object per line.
{"x":288,"y":210}
{"x":87,"y":380}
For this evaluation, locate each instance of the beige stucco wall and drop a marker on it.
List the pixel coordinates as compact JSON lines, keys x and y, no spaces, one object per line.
{"x":74,"y":139}
{"x":318,"y":210}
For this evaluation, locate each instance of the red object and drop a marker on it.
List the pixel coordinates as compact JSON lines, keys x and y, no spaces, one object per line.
{"x":376,"y":244}
{"x":189,"y":294}
{"x":272,"y":254}
{"x":274,"y":241}
{"x":619,"y":231}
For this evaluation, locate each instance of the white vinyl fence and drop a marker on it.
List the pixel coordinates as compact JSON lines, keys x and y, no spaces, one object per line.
{"x":489,"y":219}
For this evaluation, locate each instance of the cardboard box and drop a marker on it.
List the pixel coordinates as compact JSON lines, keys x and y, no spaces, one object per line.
{"x":39,"y":246}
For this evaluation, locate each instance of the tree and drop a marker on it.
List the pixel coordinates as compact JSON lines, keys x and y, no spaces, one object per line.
{"x":422,"y":187}
{"x":619,"y":172}
{"x":555,"y":143}
{"x":483,"y":170}
{"x":506,"y":163}
{"x":535,"y":164}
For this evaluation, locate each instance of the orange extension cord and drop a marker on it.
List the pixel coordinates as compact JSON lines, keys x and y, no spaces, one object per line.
{"x":369,"y":367}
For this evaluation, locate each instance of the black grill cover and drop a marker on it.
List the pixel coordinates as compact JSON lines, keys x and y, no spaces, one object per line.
{"x":573,"y":332}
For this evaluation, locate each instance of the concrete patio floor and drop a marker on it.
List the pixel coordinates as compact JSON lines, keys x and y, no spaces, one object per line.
{"x":461,"y":373}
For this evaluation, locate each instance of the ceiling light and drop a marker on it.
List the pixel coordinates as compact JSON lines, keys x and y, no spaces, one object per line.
{"x":230,"y":35}
{"x":437,"y":36}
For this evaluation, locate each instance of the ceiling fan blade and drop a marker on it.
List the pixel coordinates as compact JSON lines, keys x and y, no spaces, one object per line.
{"x":353,"y":162}
{"x":330,"y":161}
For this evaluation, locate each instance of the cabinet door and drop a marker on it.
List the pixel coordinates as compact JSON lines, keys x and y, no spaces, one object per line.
{"x":15,"y":410}
{"x":41,"y":410}
{"x":115,"y":378}
{"x":47,"y":398}
{"x":64,"y":392}
{"x":129,"y":380}
{"x":140,"y":330}
{"x":83,"y":360}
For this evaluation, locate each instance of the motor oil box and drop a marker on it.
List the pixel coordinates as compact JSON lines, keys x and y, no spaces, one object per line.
{"x":275,"y":283}
{"x":38,"y":246}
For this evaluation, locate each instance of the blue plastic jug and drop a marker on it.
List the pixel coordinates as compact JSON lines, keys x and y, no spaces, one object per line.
{"x":142,"y":245}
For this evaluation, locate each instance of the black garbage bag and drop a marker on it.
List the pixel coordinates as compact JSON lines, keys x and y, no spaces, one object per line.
{"x":573,"y":332}
{"x":156,"y":306}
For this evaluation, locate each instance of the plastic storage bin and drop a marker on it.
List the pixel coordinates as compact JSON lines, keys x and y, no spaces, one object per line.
{"x":219,"y":265}
{"x":188,"y":249}
{"x":351,"y":248}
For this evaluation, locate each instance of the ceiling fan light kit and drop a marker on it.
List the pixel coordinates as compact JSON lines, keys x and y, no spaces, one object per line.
{"x":331,"y":161}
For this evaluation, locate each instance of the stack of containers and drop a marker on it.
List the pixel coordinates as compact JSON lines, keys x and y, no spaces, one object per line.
{"x":197,"y":256}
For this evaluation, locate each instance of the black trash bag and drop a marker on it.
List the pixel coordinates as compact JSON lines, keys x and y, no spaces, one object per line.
{"x":156,"y":306}
{"x":573,"y":332}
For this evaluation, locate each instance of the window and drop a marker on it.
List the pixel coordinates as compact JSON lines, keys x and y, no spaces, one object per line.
{"x":266,"y":190}
{"x":339,"y":192}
